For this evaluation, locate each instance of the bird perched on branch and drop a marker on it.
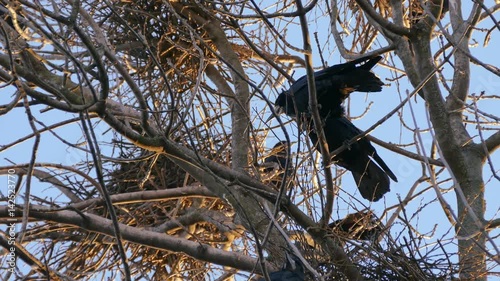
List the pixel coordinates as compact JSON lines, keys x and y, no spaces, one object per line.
{"x":278,"y":156}
{"x":292,"y":270}
{"x":357,"y":226}
{"x":370,"y":172}
{"x":275,"y":164}
{"x":362,"y":225}
{"x":333,"y":86}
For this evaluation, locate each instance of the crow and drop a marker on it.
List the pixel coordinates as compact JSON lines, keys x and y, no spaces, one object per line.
{"x":274,"y":165}
{"x":333,"y":86}
{"x":417,"y":11}
{"x":292,"y":270}
{"x":357,"y":226}
{"x":359,"y":158}
{"x":361,"y":226}
{"x":278,"y":156}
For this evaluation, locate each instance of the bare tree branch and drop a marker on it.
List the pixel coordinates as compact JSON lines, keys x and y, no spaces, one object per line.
{"x":493,"y":142}
{"x":367,"y":8}
{"x":152,"y":239}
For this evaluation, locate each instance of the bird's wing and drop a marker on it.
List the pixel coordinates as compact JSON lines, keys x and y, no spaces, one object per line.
{"x":335,"y":69}
{"x":346,"y":130}
{"x":356,"y":78}
{"x":371,"y":180}
{"x":384,"y":166}
{"x":299,"y":85}
{"x":368,"y":63}
{"x":352,"y":131}
{"x":372,"y":61}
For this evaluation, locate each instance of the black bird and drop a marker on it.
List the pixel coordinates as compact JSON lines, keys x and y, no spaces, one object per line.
{"x":292,"y":270}
{"x":359,"y":158}
{"x":358,"y":226}
{"x":274,"y":165}
{"x":278,"y":157}
{"x":362,"y":225}
{"x":417,"y":11}
{"x":333,"y":86}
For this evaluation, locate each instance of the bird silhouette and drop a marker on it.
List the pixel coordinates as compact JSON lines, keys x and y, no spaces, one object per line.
{"x":362,"y":225}
{"x":278,"y":156}
{"x":333,"y":86}
{"x":292,"y":270}
{"x":370,"y":172}
{"x":275,"y":164}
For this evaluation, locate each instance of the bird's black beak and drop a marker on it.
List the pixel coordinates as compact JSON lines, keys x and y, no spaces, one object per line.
{"x":269,"y":119}
{"x":279,"y":110}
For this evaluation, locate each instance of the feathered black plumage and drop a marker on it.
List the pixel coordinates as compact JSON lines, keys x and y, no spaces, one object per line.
{"x":370,"y":172}
{"x":333,"y":86}
{"x":292,"y":270}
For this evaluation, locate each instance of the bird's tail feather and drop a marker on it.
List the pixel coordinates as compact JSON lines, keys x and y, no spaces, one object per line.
{"x":373,"y":183}
{"x":367,"y":62}
{"x":384,"y":167}
{"x":362,"y":81}
{"x":370,"y":63}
